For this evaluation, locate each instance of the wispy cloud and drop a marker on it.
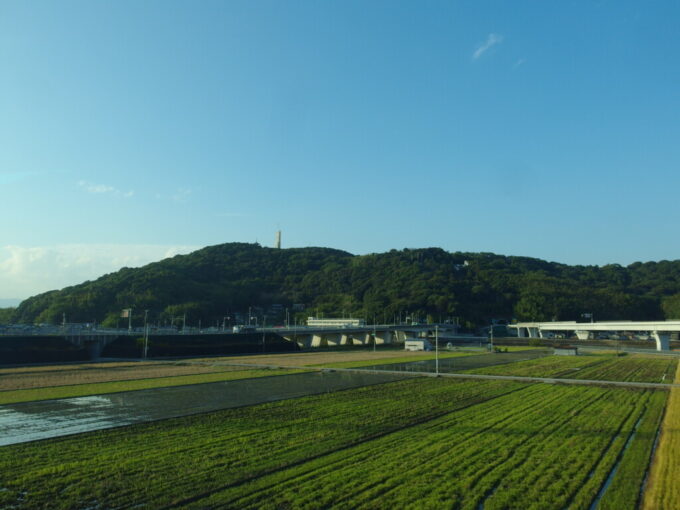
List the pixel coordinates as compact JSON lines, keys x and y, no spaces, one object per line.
{"x":104,"y":189}
{"x":26,"y":271}
{"x":519,"y":62}
{"x":491,"y":41}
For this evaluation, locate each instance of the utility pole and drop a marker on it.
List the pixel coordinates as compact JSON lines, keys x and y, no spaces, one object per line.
{"x":436,"y":349}
{"x":146,"y":340}
{"x":146,"y":333}
{"x":264,"y":325}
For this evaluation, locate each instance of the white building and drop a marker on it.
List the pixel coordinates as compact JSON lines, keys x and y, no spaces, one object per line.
{"x":417,"y":345}
{"x":337,"y":323}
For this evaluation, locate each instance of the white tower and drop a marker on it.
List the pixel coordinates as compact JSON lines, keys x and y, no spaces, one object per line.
{"x":278,"y":239}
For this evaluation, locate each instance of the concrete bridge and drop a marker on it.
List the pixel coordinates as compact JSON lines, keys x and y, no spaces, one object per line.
{"x":307,"y":337}
{"x":93,"y":342}
{"x":660,"y":331}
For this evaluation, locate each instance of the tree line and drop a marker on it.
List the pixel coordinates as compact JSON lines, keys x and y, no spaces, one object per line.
{"x":225,"y":279}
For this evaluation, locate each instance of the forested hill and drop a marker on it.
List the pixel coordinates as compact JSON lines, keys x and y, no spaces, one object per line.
{"x":226,"y":279}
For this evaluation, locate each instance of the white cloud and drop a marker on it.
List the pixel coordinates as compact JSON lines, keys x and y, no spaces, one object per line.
{"x":491,"y":41}
{"x":520,"y":62}
{"x":104,"y":188}
{"x":26,"y":271}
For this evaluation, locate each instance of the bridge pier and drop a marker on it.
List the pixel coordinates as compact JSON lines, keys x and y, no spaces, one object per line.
{"x":309,"y":338}
{"x":384,"y":337}
{"x":662,"y":340}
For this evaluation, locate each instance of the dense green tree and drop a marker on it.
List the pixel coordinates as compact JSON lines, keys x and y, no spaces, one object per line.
{"x":6,"y":315}
{"x":221,"y":280}
{"x":671,"y":306}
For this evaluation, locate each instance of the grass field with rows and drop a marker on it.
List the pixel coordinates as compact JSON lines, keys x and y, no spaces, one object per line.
{"x":420,"y":443}
{"x":633,"y":368}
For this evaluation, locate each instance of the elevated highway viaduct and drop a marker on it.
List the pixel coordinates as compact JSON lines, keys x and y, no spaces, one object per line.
{"x":660,"y":331}
{"x":379,"y":334}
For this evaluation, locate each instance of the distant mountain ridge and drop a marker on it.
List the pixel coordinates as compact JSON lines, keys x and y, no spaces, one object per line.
{"x":225,"y":279}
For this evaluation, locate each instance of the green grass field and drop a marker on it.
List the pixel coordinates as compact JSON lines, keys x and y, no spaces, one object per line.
{"x":595,"y":367}
{"x":417,"y":443}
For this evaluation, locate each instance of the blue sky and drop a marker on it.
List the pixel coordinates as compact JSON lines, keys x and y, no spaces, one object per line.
{"x":133,"y":130}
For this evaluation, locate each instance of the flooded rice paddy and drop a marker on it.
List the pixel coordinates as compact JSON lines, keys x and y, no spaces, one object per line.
{"x":32,"y":421}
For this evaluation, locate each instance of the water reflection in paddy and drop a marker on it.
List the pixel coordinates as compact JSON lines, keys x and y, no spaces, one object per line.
{"x":31,"y":421}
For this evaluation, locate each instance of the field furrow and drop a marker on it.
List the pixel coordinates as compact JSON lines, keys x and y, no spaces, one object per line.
{"x":530,"y":446}
{"x":165,"y":461}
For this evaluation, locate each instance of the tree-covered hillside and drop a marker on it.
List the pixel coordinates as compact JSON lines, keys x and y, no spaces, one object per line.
{"x":227,"y":279}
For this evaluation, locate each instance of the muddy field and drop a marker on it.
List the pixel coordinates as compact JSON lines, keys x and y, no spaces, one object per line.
{"x":63,"y":375}
{"x":318,"y":358}
{"x":31,"y":421}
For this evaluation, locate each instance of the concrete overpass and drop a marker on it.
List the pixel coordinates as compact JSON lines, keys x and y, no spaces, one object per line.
{"x":307,"y":336}
{"x":660,"y":331}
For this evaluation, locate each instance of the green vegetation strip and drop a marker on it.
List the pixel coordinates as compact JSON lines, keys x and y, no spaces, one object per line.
{"x":387,"y":361}
{"x":661,"y":492}
{"x":81,"y":390}
{"x":408,"y":359}
{"x":416,"y":443}
{"x":602,"y":368}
